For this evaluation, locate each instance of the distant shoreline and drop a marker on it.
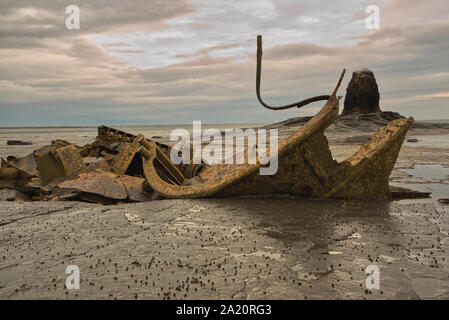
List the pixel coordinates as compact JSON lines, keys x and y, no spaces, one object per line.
{"x":128,"y":125}
{"x":49,"y":127}
{"x":166,"y":125}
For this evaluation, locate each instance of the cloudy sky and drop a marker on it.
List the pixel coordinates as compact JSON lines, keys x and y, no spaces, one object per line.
{"x":174,"y":61}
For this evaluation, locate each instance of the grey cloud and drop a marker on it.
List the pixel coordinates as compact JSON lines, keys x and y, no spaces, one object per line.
{"x":297,"y":50}
{"x":68,"y":79}
{"x":99,"y":16}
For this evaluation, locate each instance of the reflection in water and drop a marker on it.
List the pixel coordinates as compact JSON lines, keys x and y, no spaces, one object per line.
{"x":291,"y":220}
{"x":427,"y":178}
{"x":428,"y":172}
{"x":328,"y":244}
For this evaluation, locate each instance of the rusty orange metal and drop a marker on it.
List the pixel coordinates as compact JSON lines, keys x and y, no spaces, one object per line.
{"x":59,"y":162}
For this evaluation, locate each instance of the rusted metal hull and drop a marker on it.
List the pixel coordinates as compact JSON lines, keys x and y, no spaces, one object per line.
{"x":306,"y":167}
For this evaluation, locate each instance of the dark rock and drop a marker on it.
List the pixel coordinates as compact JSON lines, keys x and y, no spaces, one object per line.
{"x":362,"y":94}
{"x":444,"y":202}
{"x":366,"y":122}
{"x":361,"y":107}
{"x":399,"y":193}
{"x":412,"y":140}
{"x":18,"y":143}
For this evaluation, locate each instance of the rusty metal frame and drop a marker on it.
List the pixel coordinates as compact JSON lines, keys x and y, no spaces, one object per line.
{"x":298,"y":104}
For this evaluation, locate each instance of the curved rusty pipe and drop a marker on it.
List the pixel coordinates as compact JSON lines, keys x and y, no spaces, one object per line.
{"x":259,"y":75}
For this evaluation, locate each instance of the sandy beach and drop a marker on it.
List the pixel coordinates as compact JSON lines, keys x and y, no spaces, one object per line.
{"x":277,"y":247}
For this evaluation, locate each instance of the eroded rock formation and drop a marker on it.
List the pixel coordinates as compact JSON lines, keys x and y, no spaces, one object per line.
{"x":362,"y":94}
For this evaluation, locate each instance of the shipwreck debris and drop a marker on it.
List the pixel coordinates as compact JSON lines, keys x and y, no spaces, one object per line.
{"x":129,"y":168}
{"x":59,"y":162}
{"x":122,"y":167}
{"x":306,"y":166}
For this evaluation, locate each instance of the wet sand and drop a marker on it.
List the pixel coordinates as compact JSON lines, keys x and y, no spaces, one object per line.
{"x":275,"y":247}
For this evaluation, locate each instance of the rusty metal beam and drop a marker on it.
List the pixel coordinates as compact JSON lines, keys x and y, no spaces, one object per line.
{"x":298,"y":104}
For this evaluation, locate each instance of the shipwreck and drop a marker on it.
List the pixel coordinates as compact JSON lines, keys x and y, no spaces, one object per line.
{"x":122,"y":167}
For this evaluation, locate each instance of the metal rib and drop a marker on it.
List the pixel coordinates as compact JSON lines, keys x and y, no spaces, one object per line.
{"x":298,"y":104}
